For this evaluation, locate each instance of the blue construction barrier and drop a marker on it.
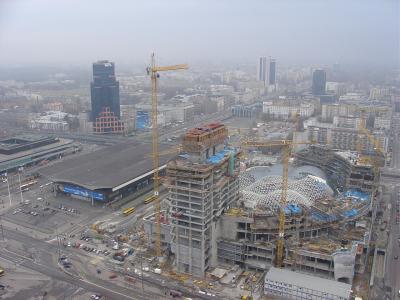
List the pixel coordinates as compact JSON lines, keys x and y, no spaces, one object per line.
{"x":293,"y":209}
{"x":357,"y":195}
{"x":219,"y":156}
{"x":142,"y":120}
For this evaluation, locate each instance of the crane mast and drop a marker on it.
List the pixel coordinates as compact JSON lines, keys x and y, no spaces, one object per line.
{"x":153,"y":72}
{"x":286,"y":149}
{"x":282,"y":203}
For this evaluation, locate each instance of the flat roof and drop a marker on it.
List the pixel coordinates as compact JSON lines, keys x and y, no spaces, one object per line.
{"x":19,"y":143}
{"x":6,"y":158}
{"x":311,"y":282}
{"x":112,"y":167}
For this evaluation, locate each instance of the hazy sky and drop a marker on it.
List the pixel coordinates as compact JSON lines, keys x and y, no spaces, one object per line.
{"x":293,"y":31}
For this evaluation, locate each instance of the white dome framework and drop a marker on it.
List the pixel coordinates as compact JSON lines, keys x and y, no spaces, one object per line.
{"x":265,"y":193}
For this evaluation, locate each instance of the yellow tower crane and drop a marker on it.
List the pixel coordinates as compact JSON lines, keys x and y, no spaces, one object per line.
{"x":286,"y":149}
{"x":153,"y":72}
{"x":364,"y":132}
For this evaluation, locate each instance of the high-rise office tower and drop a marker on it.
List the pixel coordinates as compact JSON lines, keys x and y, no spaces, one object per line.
{"x":202,"y":185}
{"x":262,"y":69}
{"x":104,"y":90}
{"x":319,"y":82}
{"x":272,"y":72}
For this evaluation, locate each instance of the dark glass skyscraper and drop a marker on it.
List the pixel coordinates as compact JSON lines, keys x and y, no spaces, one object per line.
{"x":104,"y":89}
{"x":319,"y":82}
{"x":272,"y":72}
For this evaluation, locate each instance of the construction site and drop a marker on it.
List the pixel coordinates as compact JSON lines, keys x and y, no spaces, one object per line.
{"x":232,"y":209}
{"x":309,"y":210}
{"x":220,"y":215}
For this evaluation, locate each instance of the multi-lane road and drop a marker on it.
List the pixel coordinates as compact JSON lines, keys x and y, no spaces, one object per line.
{"x":51,"y":269}
{"x":392,"y":274}
{"x":392,"y":266}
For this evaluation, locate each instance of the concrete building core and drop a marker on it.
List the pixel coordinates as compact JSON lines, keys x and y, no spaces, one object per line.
{"x":203,"y":183}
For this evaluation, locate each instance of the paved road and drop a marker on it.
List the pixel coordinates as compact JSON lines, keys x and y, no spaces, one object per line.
{"x":392,"y":276}
{"x":47,"y":267}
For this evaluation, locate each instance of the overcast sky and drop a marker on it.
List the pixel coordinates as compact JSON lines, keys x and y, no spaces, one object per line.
{"x":293,"y":31}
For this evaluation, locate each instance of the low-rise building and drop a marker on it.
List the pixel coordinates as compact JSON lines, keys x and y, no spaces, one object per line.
{"x":383,"y":123}
{"x":329,"y":111}
{"x":50,"y":121}
{"x":287,"y":284}
{"x":171,"y":112}
{"x":347,"y":122}
{"x":281,"y":111}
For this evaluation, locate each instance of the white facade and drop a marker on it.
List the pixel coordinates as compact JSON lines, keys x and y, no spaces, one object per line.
{"x":378,"y":93}
{"x":336,"y":88}
{"x":382,"y":123}
{"x":306,"y":110}
{"x":287,"y":284}
{"x":219,"y":101}
{"x":347,"y":122}
{"x":128,"y":116}
{"x":51,"y":121}
{"x":329,"y":111}
{"x":171,"y":113}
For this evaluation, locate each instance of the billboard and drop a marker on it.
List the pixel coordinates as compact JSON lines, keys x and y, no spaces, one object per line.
{"x":142,"y":119}
{"x":83,"y":192}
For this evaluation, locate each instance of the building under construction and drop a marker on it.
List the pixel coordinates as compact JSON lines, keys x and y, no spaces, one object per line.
{"x":203,"y":184}
{"x":345,"y":168}
{"x":217,"y":216}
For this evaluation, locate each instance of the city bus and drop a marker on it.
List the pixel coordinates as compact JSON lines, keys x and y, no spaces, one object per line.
{"x":149,"y":199}
{"x":128,"y":211}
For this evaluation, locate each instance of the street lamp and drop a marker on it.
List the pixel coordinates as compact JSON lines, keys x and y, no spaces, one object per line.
{"x":58,"y":242}
{"x":8,"y":187}
{"x":20,"y":169}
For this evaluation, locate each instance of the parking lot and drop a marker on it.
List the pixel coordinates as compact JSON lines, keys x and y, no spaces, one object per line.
{"x":41,"y":215}
{"x":43,"y":211}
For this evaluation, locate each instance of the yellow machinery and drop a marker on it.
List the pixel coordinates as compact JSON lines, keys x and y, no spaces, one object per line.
{"x":363,"y":131}
{"x":153,"y":72}
{"x":286,"y":149}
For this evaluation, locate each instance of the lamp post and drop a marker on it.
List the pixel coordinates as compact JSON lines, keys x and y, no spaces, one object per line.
{"x":8,"y":187}
{"x":20,"y":169}
{"x":58,"y":242}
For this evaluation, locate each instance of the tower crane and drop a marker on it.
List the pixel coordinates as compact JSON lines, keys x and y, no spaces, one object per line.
{"x":286,"y":149}
{"x":153,"y":71}
{"x":363,"y":131}
{"x":173,"y":150}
